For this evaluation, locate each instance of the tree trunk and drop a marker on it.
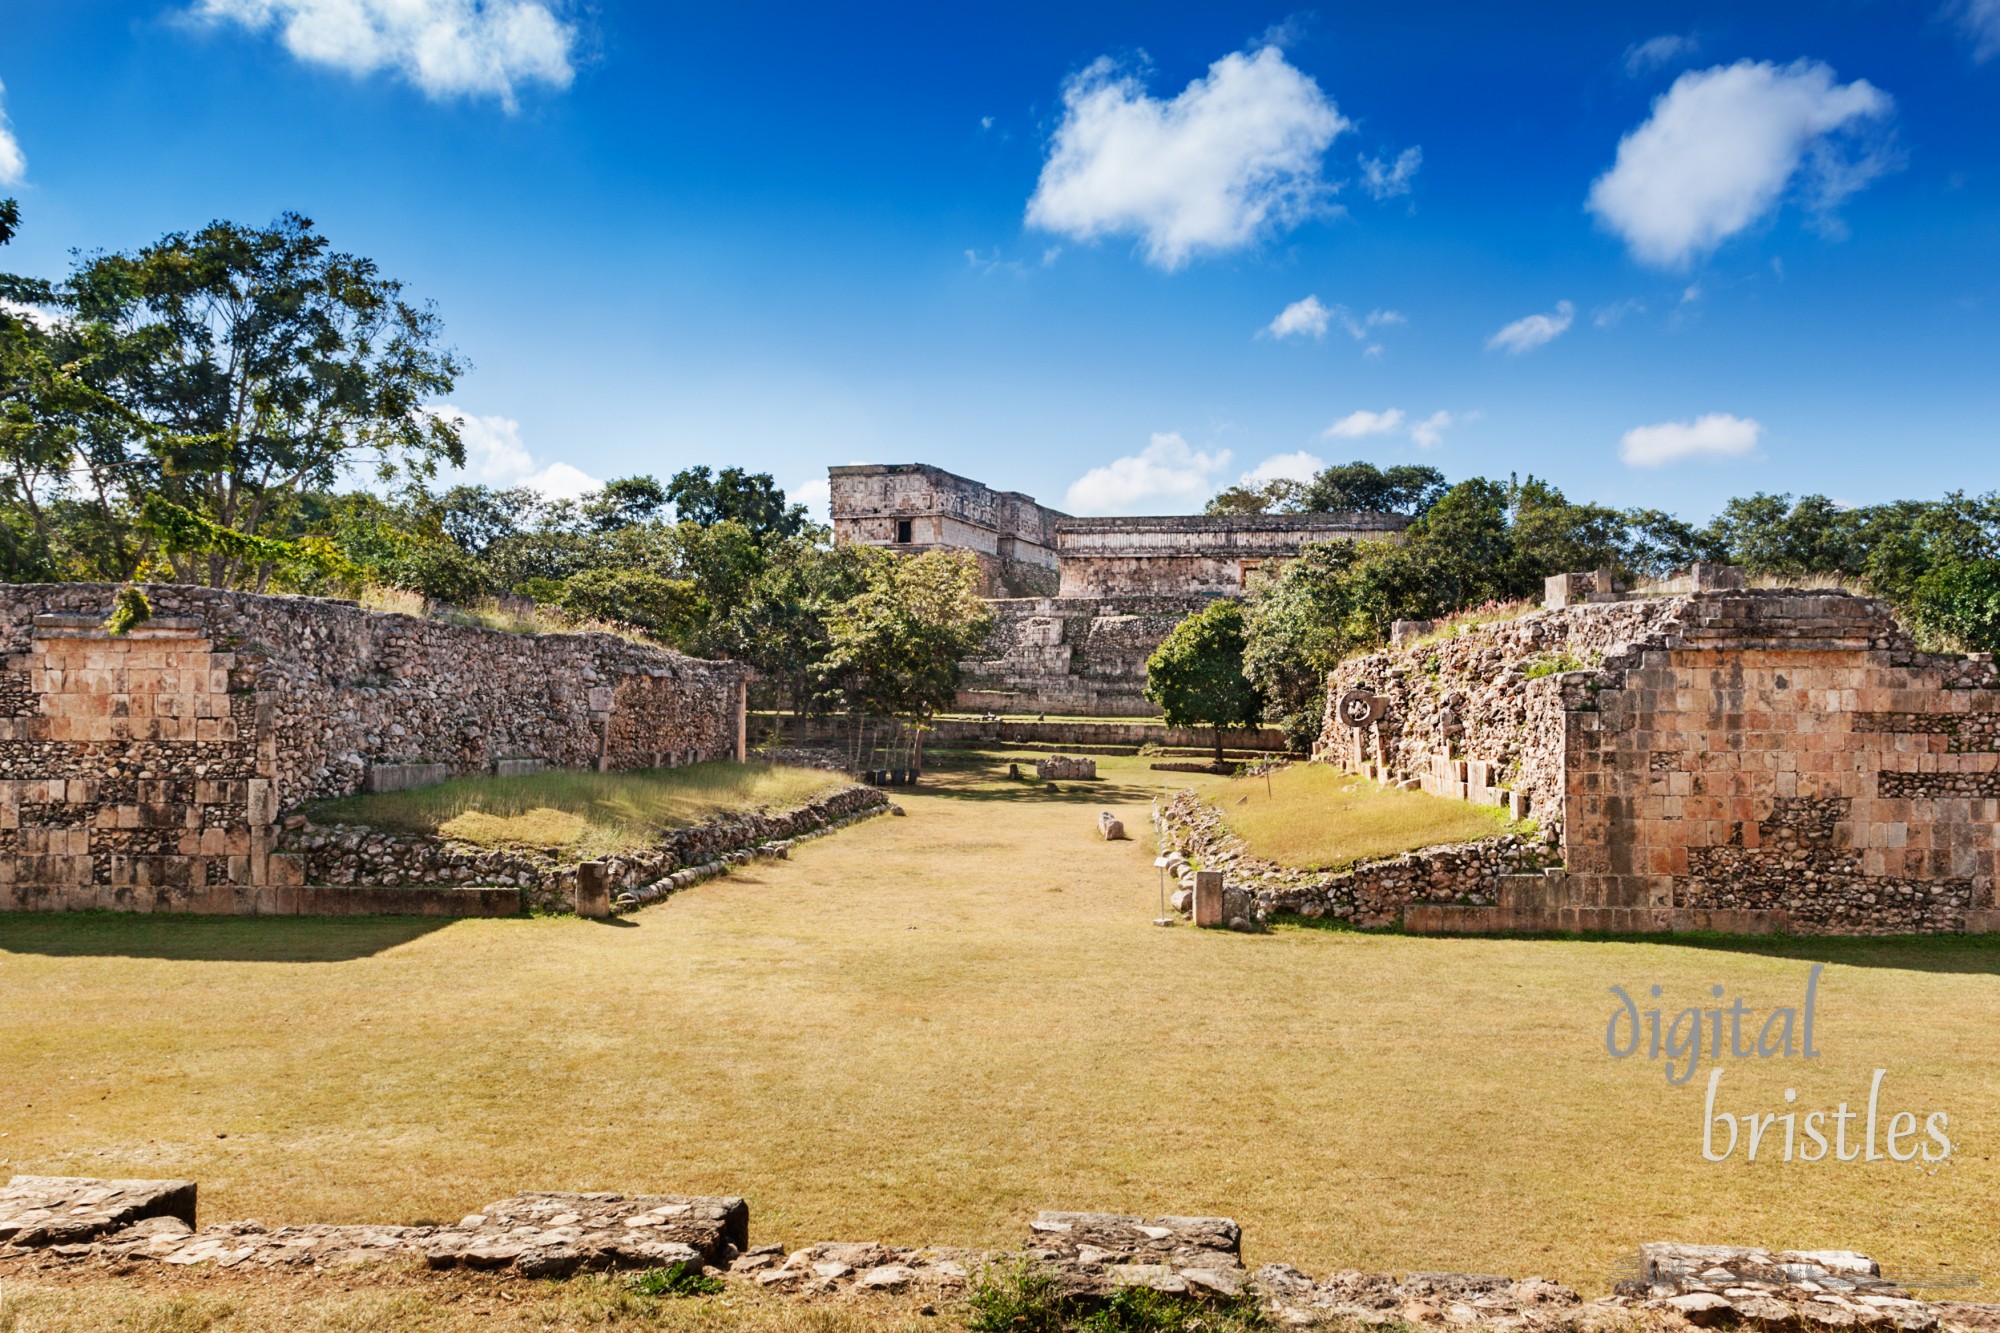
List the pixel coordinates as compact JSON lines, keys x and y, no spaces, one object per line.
{"x":1218,"y":747}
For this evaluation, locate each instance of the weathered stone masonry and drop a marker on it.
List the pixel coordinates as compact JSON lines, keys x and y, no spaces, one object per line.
{"x":1728,"y":759}
{"x":1079,"y":603}
{"x":149,"y":771}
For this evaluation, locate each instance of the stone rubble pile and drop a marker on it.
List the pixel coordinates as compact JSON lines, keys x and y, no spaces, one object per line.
{"x":1064,"y":768}
{"x":55,"y":1222}
{"x":1710,"y":1285}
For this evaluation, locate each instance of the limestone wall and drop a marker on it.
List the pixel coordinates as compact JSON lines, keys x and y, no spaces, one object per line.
{"x":148,"y":771}
{"x":1744,"y":760}
{"x":1182,"y":555}
{"x":1078,"y":655}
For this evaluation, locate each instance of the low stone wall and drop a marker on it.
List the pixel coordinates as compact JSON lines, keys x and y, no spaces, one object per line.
{"x":147,"y":771}
{"x":1371,"y":894}
{"x":347,"y":855}
{"x":53,"y":1227}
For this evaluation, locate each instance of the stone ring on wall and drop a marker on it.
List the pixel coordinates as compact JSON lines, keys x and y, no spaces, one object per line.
{"x":1358,"y":707}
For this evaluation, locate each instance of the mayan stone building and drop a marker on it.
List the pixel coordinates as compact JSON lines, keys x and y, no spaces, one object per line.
{"x":1709,"y":757}
{"x":1079,"y":603}
{"x":150,"y":770}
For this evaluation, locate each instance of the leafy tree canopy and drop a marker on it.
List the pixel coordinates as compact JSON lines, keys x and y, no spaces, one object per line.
{"x":749,"y":498}
{"x":1196,"y":674}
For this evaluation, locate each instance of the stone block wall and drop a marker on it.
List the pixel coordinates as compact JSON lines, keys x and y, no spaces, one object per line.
{"x":148,"y":771}
{"x":1749,"y":760}
{"x":1209,"y":555}
{"x":1077,"y":655}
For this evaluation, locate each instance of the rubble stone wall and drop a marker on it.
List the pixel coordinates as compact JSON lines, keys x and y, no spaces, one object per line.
{"x":1374,"y":893}
{"x":148,"y":771}
{"x":1758,"y":760}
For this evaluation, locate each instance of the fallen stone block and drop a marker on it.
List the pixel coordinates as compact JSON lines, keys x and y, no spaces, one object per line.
{"x":546,"y":1234}
{"x":1112,"y":827}
{"x":63,"y":1210}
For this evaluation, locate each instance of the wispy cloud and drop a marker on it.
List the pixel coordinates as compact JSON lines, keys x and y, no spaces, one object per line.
{"x":447,"y":48}
{"x":1722,"y":146}
{"x":1386,"y":180}
{"x":1429,"y":433}
{"x":1612,"y":314}
{"x":1532,"y":331}
{"x":13,"y":162}
{"x":1236,"y":155}
{"x":1651,"y":54}
{"x":1168,"y":472}
{"x":1979,"y":22}
{"x":1714,"y":437}
{"x":1425,"y":433}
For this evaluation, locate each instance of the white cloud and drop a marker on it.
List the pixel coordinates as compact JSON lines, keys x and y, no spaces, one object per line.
{"x":1356,"y":425}
{"x":13,"y":162}
{"x":1300,"y":466}
{"x":1429,"y":433}
{"x":1532,"y":331}
{"x":1610,"y":316}
{"x":1386,"y":180}
{"x":1300,"y":317}
{"x":1714,"y":436}
{"x":495,"y":456}
{"x":33,"y":314}
{"x":1643,"y":57}
{"x":1168,"y":471}
{"x":1237,"y":154}
{"x":445,"y":47}
{"x":816,"y":495}
{"x":1979,"y":20}
{"x":1722,"y":145}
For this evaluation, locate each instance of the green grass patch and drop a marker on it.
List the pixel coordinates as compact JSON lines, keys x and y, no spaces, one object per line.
{"x":588,"y":814}
{"x":1317,"y":818}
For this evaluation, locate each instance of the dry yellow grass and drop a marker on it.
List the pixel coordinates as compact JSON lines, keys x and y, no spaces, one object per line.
{"x":1312,"y":816}
{"x":923,"y":1029}
{"x":589,"y":814}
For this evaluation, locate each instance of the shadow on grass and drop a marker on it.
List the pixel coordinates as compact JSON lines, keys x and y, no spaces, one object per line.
{"x":1977,"y":955}
{"x":215,"y":939}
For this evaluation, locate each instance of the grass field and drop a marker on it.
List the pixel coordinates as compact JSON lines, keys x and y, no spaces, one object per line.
{"x":924,"y":1029}
{"x":589,"y":814}
{"x":1311,"y":816}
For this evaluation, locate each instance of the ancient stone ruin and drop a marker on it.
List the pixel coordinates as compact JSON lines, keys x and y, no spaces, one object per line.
{"x":1079,"y":603}
{"x":50,"y":1225}
{"x":149,"y":771}
{"x":1713,"y":757}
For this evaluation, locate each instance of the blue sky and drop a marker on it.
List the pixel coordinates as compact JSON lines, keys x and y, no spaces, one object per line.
{"x":1114,"y":255}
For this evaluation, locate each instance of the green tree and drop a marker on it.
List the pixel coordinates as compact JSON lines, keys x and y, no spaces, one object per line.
{"x":752,"y":499}
{"x":894,"y":647}
{"x":1196,"y":674}
{"x":1280,"y":495}
{"x":782,"y":625}
{"x":1349,"y":487}
{"x":248,"y":366}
